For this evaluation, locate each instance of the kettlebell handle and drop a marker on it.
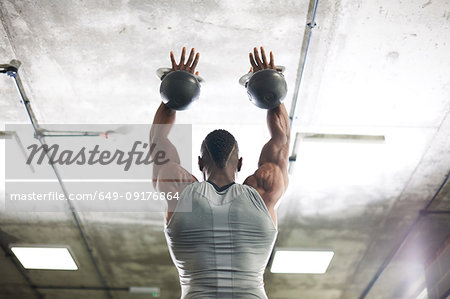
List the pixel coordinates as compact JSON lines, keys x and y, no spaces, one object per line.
{"x":245,"y":78}
{"x":163,"y":71}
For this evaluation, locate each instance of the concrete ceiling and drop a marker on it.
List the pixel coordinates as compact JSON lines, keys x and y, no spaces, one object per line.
{"x":374,"y":67}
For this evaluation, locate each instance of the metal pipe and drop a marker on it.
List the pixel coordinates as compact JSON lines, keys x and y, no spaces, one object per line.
{"x":429,"y":212}
{"x":75,"y":218}
{"x":12,"y":71}
{"x":304,"y":53}
{"x":38,"y":135}
{"x":24,"y":99}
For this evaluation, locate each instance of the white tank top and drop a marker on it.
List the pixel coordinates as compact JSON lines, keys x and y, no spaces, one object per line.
{"x":222,"y":247}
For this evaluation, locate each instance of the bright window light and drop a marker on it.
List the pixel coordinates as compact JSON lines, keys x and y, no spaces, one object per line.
{"x":311,"y":262}
{"x":45,"y":258}
{"x":423,"y":294}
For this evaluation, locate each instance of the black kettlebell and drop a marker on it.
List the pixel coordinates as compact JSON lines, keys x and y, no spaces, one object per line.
{"x":267,"y":88}
{"x":179,"y":89}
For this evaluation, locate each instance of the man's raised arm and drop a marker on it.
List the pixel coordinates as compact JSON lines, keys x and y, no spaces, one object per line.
{"x":162,"y":124}
{"x":271,"y":177}
{"x":170,"y":177}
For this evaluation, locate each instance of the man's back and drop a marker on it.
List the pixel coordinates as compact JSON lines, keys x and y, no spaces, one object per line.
{"x":221,"y":248}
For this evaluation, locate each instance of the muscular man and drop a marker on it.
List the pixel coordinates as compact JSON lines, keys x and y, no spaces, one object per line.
{"x":222,"y":247}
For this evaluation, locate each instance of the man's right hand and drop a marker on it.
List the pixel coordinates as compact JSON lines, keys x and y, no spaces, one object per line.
{"x":190,"y":65}
{"x":258,"y":64}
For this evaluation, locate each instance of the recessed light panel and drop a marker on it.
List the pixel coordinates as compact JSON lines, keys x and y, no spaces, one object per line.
{"x":47,"y":258}
{"x":290,"y":261}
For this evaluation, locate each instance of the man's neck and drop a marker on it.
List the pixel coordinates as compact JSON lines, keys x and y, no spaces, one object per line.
{"x":221,"y":178}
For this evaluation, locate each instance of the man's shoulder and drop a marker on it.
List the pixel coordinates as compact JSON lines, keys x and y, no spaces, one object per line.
{"x":268,"y":181}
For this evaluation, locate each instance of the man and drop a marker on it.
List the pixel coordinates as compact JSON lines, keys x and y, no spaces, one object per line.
{"x":222,"y":247}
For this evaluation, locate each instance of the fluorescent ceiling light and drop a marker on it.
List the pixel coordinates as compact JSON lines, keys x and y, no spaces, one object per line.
{"x":350,"y":138}
{"x":153,"y":291}
{"x":290,"y":261}
{"x":45,"y":258}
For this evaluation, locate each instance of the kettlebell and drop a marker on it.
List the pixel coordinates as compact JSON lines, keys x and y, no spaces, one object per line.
{"x":267,"y":88}
{"x":179,"y":89}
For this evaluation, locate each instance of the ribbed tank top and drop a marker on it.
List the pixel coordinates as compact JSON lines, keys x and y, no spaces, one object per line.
{"x":222,"y":247}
